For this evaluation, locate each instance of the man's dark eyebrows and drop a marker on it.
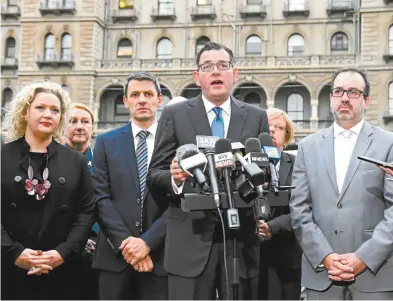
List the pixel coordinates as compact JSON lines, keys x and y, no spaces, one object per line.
{"x":144,"y":91}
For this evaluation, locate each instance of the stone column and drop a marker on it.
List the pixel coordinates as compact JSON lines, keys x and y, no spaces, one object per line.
{"x":314,"y":114}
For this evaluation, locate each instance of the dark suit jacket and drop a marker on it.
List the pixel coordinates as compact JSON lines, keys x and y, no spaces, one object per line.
{"x":283,"y":249}
{"x":67,"y":215}
{"x":190,"y":235}
{"x":116,"y":184}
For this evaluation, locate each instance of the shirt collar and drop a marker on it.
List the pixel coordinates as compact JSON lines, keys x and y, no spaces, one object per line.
{"x":136,"y":129}
{"x":226,"y":106}
{"x":355,"y":129}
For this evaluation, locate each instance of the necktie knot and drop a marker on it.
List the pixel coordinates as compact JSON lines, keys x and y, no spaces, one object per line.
{"x":218,"y":111}
{"x":143,"y":134}
{"x":347,"y":134}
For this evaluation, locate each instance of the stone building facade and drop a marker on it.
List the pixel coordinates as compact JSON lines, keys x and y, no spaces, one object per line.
{"x":286,"y":50}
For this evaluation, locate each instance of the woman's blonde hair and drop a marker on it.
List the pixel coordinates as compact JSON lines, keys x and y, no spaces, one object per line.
{"x":81,"y":106}
{"x":14,"y":122}
{"x":289,"y":131}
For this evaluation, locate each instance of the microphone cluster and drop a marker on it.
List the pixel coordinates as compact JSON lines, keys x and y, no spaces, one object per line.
{"x":219,"y":165}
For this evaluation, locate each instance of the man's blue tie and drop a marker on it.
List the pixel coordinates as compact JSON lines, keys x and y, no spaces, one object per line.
{"x":141,"y":159}
{"x":218,"y":123}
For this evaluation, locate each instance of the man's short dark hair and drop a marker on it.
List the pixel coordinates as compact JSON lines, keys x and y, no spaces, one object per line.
{"x":214,"y":46}
{"x":140,"y":76}
{"x":366,"y":89}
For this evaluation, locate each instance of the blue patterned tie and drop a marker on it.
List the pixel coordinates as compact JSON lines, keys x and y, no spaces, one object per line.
{"x":218,"y":123}
{"x":141,"y":159}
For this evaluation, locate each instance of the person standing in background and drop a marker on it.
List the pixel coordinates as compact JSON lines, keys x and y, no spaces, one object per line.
{"x":79,"y":131}
{"x":280,"y":249}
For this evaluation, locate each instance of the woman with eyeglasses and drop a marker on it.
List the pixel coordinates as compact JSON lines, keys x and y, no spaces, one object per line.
{"x":47,"y":199}
{"x":280,"y":252}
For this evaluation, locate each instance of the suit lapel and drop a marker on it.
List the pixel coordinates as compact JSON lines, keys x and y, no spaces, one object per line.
{"x":237,"y":121}
{"x":126,"y":141}
{"x":327,"y":149}
{"x":198,"y":116}
{"x":285,"y":168}
{"x":362,"y":144}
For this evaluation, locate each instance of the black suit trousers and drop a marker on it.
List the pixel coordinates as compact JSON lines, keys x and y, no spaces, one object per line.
{"x":131,"y":285}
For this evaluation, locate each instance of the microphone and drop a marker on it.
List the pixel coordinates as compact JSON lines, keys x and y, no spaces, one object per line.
{"x":254,"y":154}
{"x":274,"y":157}
{"x":255,"y":174}
{"x":207,"y":144}
{"x":191,"y":161}
{"x":226,"y":162}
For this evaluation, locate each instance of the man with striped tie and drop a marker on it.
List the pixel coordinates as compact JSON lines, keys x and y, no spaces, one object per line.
{"x":130,"y":245}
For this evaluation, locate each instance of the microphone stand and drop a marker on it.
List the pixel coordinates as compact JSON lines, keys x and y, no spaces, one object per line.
{"x":235,"y":260}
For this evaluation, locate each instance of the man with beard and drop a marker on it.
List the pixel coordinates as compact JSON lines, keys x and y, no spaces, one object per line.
{"x":130,"y":245}
{"x":78,"y":136}
{"x":341,"y":209}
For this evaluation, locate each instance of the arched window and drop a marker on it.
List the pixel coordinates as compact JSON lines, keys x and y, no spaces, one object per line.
{"x":295,"y":45}
{"x":124,"y":48}
{"x":253,"y":45}
{"x":200,"y":43}
{"x":295,"y":106}
{"x":391,"y":40}
{"x":6,"y":97}
{"x":50,"y":53}
{"x":66,"y":47}
{"x":339,"y":42}
{"x":253,"y":98}
{"x":391,"y":98}
{"x":10,"y":48}
{"x":164,"y":49}
{"x":120,"y":108}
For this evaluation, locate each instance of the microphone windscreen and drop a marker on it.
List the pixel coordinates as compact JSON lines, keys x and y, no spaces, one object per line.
{"x":223,"y":146}
{"x":253,"y":145}
{"x":186,"y":151}
{"x":265,"y":139}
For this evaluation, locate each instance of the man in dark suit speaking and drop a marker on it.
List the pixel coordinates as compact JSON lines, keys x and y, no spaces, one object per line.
{"x":194,"y":255}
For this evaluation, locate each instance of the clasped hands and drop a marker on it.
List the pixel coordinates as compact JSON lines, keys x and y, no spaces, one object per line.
{"x":136,"y":252}
{"x":343,"y":267}
{"x":37,"y":262}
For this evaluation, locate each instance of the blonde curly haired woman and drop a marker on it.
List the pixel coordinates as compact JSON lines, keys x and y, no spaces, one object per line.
{"x":47,"y":198}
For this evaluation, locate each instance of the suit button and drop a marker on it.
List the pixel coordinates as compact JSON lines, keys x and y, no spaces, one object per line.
{"x":10,"y":234}
{"x":138,"y":201}
{"x":137,"y":224}
{"x":63,"y":208}
{"x":62,"y":235}
{"x":13,"y":205}
{"x":214,"y":213}
{"x":339,"y":206}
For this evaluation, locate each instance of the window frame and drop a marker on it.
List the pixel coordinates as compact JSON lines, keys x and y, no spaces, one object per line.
{"x":340,"y":45}
{"x":164,"y":56}
{"x":125,"y":46}
{"x":247,"y":46}
{"x":290,"y":49}
{"x":8,"y":47}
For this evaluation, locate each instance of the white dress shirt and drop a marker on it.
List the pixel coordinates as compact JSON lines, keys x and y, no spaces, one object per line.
{"x":226,"y":116}
{"x":149,"y":140}
{"x":344,"y":144}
